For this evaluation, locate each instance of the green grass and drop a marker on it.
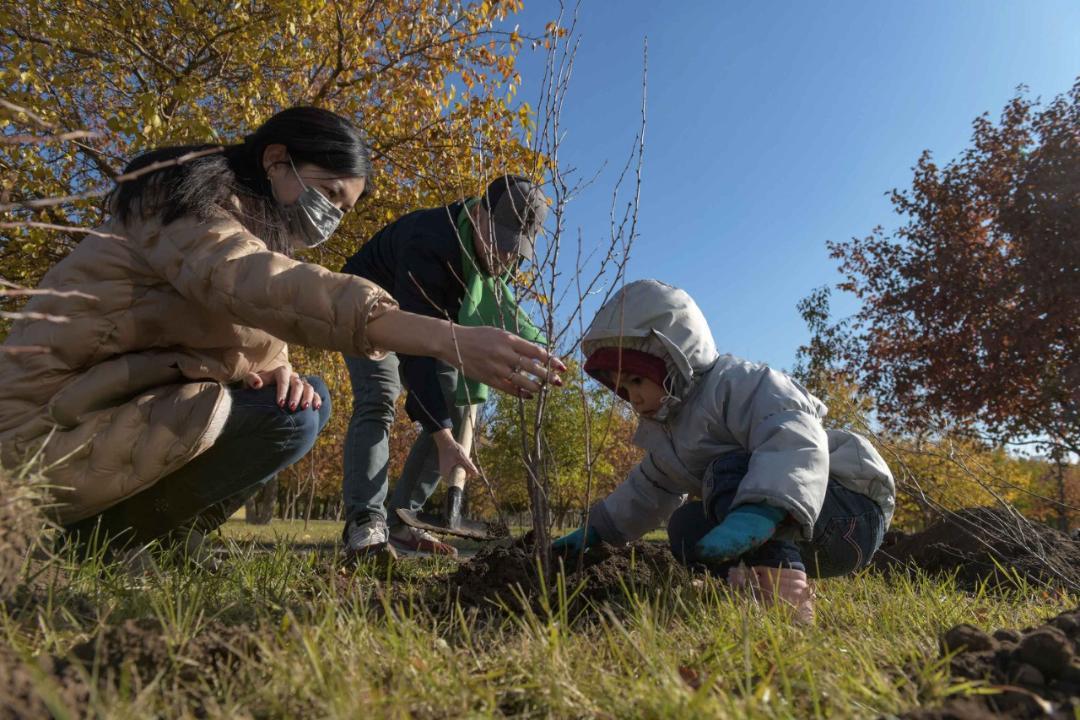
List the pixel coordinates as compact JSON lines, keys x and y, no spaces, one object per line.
{"x":314,"y":531}
{"x":331,"y":644}
{"x":327,"y":532}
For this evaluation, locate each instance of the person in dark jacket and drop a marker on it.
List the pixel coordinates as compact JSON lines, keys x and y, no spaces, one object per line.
{"x":447,"y":262}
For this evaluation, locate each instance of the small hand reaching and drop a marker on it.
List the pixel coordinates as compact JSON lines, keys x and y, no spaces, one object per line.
{"x":745,"y":528}
{"x":574,"y":542}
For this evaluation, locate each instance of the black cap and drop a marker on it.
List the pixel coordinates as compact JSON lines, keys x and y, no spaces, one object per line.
{"x":517,"y":208}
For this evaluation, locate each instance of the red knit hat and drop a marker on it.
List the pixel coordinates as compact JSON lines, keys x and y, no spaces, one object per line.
{"x":607,"y":362}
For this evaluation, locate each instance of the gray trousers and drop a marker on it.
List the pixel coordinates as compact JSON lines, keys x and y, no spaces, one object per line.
{"x":376,"y":385}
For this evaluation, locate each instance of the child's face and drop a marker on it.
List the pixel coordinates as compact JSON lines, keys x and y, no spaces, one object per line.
{"x":645,"y":395}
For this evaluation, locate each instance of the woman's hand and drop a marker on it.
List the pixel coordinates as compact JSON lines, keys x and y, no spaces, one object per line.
{"x":291,"y":388}
{"x":502,"y":360}
{"x":452,"y":455}
{"x":492,"y":356}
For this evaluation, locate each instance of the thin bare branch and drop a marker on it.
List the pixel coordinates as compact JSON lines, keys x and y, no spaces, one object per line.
{"x":25,"y":139}
{"x":99,"y":192}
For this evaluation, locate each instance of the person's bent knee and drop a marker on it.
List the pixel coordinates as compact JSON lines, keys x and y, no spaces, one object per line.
{"x":319,"y":386}
{"x":374,"y":403}
{"x":310,"y":422}
{"x":686,"y":527}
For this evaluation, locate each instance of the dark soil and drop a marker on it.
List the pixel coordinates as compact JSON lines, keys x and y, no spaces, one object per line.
{"x":24,"y":683}
{"x":973,"y":543}
{"x":20,"y":526}
{"x":129,"y":656}
{"x":504,"y":575}
{"x":139,"y":650}
{"x":1037,"y":671}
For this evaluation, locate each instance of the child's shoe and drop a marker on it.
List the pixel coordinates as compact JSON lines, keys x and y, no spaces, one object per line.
{"x":770,"y":585}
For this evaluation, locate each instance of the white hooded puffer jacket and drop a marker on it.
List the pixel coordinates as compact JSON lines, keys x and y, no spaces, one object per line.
{"x":719,"y":404}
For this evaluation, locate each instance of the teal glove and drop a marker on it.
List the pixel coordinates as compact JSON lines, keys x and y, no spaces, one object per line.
{"x":745,"y":528}
{"x":573,"y":542}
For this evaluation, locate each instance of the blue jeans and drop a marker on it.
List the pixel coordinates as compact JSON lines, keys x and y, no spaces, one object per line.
{"x":847,"y":533}
{"x":259,"y":440}
{"x":376,"y":385}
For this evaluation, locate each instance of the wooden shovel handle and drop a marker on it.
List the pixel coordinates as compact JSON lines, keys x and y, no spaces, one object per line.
{"x":465,"y":440}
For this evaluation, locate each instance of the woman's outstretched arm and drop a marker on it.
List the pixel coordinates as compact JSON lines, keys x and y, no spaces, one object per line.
{"x":494,"y":357}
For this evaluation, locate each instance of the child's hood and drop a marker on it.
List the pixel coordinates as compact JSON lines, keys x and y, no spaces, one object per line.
{"x":659,"y":319}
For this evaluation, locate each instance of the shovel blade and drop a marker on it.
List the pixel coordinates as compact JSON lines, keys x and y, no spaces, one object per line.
{"x":436,"y":523}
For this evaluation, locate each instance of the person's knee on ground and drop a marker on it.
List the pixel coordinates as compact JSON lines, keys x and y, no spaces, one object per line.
{"x":849,"y":530}
{"x":691,"y":522}
{"x":687,"y":525}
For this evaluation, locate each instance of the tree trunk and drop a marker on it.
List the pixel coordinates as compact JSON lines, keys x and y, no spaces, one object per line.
{"x":259,"y":509}
{"x":541,"y":516}
{"x":1062,"y":504}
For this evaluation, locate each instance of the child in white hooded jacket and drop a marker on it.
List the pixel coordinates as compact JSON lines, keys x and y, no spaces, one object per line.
{"x":781,"y":497}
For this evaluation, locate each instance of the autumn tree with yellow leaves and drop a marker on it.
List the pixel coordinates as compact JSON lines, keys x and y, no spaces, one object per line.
{"x":431,"y":82}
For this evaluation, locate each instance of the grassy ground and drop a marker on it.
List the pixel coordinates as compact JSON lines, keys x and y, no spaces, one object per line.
{"x":324,"y":532}
{"x":314,"y":531}
{"x":317,"y":642}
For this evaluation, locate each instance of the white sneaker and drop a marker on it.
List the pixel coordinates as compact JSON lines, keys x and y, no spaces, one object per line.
{"x":367,"y":538}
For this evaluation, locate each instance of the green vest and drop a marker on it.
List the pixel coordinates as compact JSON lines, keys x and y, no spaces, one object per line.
{"x":487,"y":301}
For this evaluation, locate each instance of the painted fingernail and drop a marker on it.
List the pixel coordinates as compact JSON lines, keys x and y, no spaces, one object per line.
{"x":305,"y":406}
{"x":292,"y":406}
{"x":558,"y":381}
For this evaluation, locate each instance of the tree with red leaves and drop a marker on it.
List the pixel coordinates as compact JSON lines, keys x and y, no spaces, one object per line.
{"x":970,"y":312}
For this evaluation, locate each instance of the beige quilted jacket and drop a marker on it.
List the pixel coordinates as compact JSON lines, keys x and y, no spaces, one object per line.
{"x":134,"y":385}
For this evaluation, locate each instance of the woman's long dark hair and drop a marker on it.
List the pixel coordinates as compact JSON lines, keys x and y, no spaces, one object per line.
{"x":203,"y":186}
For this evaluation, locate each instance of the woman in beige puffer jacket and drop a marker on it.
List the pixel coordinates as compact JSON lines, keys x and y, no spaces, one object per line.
{"x":168,"y":395}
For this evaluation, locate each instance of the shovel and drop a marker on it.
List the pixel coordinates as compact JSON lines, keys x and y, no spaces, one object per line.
{"x":450,"y":521}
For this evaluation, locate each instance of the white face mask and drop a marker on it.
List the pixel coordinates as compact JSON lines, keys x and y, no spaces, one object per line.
{"x":312,"y":218}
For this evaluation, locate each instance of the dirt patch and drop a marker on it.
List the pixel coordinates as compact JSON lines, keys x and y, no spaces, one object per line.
{"x":20,"y":526}
{"x":29,"y":688}
{"x":1036,"y":670}
{"x":977,"y":543}
{"x":140,"y":650}
{"x":506,"y":574}
{"x":129,"y":655}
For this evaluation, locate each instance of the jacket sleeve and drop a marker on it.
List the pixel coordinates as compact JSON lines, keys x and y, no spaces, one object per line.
{"x":779,"y":424}
{"x":282,"y":358}
{"x":639,"y":504}
{"x":421,"y":285}
{"x":222,"y":267}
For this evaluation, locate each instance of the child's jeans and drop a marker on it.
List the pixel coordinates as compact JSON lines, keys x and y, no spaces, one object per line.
{"x":848,"y":531}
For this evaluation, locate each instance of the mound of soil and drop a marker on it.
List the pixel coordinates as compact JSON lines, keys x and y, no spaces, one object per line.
{"x":129,"y":655}
{"x":977,"y":543}
{"x":140,"y":650}
{"x":22,"y":684}
{"x":506,"y":574}
{"x":1037,"y":671}
{"x":20,"y":524}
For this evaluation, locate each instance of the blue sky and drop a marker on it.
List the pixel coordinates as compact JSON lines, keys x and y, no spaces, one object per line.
{"x":776,"y":126}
